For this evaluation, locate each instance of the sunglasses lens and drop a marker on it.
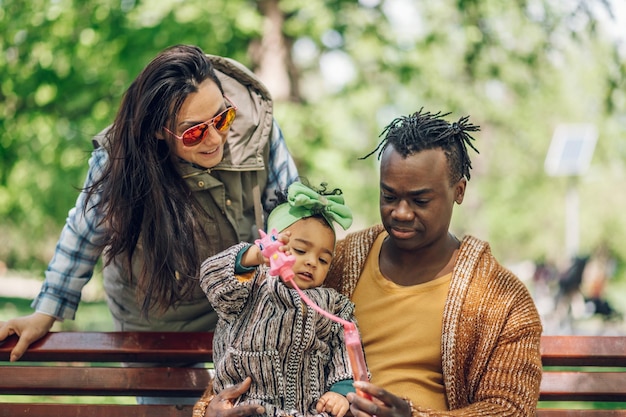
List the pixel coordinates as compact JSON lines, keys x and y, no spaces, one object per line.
{"x":195,"y":134}
{"x":223,"y":120}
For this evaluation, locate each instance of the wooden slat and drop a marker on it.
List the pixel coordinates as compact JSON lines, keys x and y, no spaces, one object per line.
{"x":580,"y":413}
{"x":583,"y":350}
{"x":93,"y":410}
{"x":100,"y":410}
{"x":583,"y":386}
{"x":63,"y":380}
{"x":172,"y":347}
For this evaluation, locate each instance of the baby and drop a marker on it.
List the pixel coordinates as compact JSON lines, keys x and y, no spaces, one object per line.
{"x":296,"y":357}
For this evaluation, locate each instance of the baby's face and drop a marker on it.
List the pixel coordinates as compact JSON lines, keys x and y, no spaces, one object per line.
{"x":312,"y":242}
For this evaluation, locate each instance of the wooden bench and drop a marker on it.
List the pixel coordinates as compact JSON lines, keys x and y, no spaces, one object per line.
{"x":583,"y":369}
{"x":87,"y":364}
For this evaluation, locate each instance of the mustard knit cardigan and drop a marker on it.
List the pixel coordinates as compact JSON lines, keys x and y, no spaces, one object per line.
{"x":491,"y":330}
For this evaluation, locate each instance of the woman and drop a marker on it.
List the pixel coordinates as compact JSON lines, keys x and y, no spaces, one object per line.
{"x":183,"y":172}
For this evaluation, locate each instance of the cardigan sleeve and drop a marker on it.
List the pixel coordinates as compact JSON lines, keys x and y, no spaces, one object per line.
{"x":491,"y":340}
{"x":508,"y":383}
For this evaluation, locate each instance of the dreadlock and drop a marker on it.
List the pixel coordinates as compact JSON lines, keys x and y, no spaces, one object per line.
{"x":424,"y":130}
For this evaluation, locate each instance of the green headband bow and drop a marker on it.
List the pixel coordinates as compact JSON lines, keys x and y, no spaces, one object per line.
{"x":304,"y":202}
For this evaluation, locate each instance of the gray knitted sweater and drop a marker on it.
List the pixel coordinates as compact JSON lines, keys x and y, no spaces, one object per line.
{"x":265,"y":331}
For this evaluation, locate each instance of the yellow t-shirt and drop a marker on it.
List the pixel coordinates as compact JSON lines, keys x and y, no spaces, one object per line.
{"x":401,"y":332}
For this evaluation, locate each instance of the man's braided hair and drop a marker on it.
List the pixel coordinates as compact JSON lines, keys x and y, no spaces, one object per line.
{"x":424,"y":130}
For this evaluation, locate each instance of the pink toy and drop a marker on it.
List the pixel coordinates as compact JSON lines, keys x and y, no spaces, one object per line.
{"x":282,"y":264}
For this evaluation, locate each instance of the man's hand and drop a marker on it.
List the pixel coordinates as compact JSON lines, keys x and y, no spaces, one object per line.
{"x":383,"y":404}
{"x":28,"y":328}
{"x":222,"y":404}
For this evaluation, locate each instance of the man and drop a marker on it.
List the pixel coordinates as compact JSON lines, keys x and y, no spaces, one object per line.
{"x":444,"y":325}
{"x":446,"y":329}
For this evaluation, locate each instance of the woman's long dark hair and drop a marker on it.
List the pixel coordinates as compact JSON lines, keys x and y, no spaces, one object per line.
{"x":142,"y":192}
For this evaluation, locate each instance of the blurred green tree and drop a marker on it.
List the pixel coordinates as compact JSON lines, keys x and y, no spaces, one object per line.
{"x":339,"y":70}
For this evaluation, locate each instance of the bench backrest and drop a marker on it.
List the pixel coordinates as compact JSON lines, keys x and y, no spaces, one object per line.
{"x":583,"y":369}
{"x":87,"y":364}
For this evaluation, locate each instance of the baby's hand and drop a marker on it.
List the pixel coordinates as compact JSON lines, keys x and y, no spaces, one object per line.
{"x":333,"y":403}
{"x":253,"y":256}
{"x":284,"y":238}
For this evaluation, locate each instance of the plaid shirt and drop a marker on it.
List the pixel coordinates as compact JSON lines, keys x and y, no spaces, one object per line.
{"x":77,"y":250}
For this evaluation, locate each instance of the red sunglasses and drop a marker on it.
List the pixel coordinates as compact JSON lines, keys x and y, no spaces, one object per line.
{"x":196,"y":134}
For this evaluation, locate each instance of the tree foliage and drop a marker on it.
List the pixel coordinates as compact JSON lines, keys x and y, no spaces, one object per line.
{"x":341,"y":70}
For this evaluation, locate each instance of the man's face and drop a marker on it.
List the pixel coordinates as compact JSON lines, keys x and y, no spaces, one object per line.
{"x":416,"y":198}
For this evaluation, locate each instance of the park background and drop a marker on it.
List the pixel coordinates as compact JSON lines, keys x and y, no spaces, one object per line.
{"x":339,"y":71}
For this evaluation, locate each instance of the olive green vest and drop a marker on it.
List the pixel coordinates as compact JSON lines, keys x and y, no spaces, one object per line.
{"x":230,"y":193}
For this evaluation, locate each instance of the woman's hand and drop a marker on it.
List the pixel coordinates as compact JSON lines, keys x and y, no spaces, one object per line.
{"x":383,"y":404}
{"x":28,"y":328}
{"x":223,"y":404}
